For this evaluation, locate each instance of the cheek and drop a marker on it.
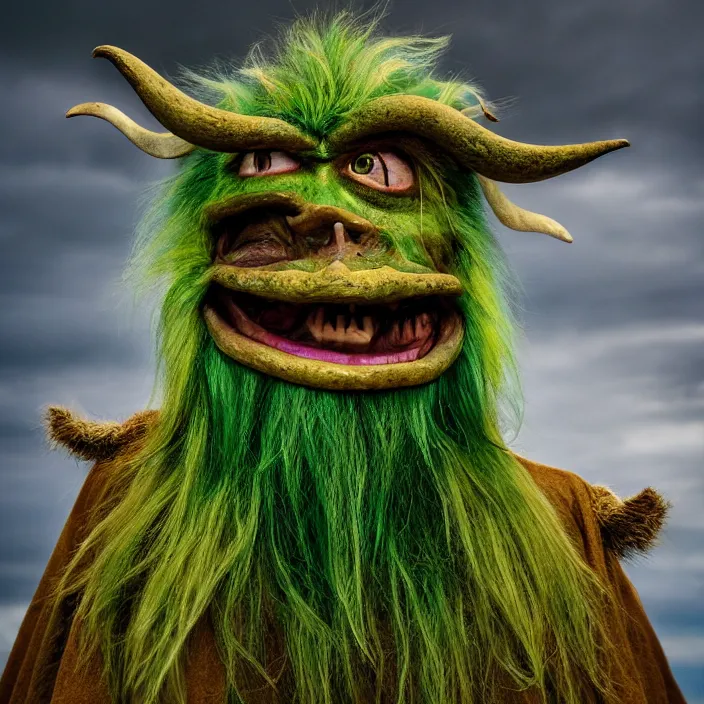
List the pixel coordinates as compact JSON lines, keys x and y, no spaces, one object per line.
{"x":437,"y":250}
{"x":443,"y":256}
{"x":436,"y":246}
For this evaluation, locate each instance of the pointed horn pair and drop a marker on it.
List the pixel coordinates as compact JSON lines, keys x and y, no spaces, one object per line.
{"x":191,"y":123}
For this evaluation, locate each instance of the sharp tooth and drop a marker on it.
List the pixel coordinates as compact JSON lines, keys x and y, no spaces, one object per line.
{"x":421,"y":325}
{"x":407,"y":331}
{"x":368,"y":325}
{"x":315,"y":323}
{"x":350,"y":315}
{"x":395,"y":333}
{"x":340,"y":324}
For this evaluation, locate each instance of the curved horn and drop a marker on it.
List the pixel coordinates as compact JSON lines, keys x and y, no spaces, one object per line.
{"x":516,"y":218}
{"x":162,"y":145}
{"x":471,"y":144}
{"x":197,"y":123}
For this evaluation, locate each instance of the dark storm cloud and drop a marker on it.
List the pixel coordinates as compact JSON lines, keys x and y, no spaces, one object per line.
{"x":21,"y":559}
{"x":612,"y":354}
{"x":75,"y":334}
{"x":635,"y":254}
{"x":627,"y":63}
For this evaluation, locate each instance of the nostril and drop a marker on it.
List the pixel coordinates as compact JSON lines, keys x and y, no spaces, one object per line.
{"x":355,"y":235}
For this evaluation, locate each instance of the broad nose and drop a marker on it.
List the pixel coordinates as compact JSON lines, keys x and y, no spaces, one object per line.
{"x":329,"y":230}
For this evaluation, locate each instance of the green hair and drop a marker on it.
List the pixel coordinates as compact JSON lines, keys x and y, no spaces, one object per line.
{"x":390,"y":536}
{"x":321,"y":68}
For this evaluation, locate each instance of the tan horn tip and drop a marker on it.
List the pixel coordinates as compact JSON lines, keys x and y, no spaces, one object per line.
{"x":88,"y":109}
{"x":102,"y":50}
{"x":82,"y":109}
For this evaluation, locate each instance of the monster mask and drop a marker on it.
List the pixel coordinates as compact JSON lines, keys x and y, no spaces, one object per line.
{"x":333,"y":215}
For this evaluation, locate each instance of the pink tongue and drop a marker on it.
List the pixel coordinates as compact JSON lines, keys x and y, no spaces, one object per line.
{"x":301,"y":350}
{"x":256,"y":332}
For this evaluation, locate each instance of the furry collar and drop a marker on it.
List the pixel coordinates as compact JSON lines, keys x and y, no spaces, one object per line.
{"x":628,"y":525}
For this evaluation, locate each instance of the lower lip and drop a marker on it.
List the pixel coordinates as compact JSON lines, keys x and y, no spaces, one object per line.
{"x":255,"y":332}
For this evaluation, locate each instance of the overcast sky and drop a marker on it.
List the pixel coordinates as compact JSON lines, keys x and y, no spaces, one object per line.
{"x":613,"y":353}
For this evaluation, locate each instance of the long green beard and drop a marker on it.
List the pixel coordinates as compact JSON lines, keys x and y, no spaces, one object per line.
{"x":389,"y":537}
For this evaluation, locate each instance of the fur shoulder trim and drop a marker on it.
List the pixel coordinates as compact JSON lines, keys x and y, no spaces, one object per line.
{"x":629,"y":525}
{"x":94,"y":440}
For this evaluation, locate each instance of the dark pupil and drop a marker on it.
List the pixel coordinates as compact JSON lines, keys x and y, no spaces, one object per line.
{"x":363,"y":164}
{"x":262,"y":161}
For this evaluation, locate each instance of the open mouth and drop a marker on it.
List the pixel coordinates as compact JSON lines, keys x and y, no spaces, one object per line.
{"x":340,"y":333}
{"x":335,"y":328}
{"x":362,"y":318}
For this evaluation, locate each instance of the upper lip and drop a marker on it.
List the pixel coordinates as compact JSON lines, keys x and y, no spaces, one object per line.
{"x":335,"y":283}
{"x":236,"y":205}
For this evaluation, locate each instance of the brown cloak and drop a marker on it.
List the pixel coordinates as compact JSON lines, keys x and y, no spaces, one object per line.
{"x":42,"y":665}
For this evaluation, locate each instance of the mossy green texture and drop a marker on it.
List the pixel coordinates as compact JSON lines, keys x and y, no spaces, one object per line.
{"x":341,"y":515}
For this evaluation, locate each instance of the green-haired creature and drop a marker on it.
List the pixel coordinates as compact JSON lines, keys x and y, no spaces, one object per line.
{"x":324,"y":509}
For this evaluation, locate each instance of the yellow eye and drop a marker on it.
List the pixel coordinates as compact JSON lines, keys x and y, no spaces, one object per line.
{"x":383,"y":171}
{"x":363,"y":164}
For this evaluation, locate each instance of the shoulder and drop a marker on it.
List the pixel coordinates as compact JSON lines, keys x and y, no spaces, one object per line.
{"x":107,"y":445}
{"x":96,"y":440}
{"x":626,"y":526}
